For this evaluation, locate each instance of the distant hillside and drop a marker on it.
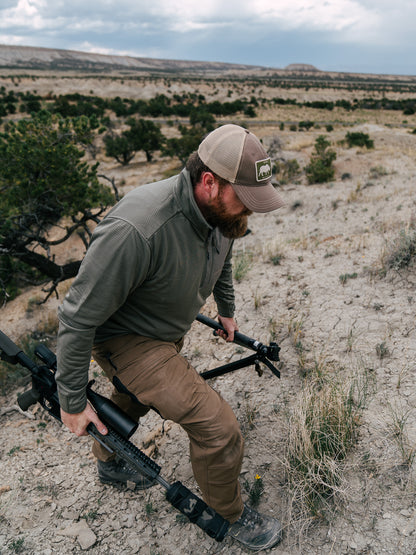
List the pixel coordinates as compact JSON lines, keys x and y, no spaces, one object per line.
{"x":35,"y":58}
{"x":301,"y":67}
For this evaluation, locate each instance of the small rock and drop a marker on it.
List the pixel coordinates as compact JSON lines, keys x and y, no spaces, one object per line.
{"x":129,"y":521}
{"x":73,"y":529}
{"x":131,"y":485}
{"x":68,"y":501}
{"x":406,"y":512}
{"x":86,"y":538}
{"x":70,"y":515}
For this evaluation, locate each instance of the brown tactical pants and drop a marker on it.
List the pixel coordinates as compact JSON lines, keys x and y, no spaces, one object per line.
{"x":149,"y":373}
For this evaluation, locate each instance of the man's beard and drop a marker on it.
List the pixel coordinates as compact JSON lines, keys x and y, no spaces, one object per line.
{"x":231,"y":227}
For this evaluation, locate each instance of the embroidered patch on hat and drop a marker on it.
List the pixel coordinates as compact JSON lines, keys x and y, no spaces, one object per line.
{"x":263,"y":169}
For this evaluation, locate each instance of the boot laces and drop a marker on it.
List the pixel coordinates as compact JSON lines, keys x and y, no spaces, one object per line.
{"x":250,"y":518}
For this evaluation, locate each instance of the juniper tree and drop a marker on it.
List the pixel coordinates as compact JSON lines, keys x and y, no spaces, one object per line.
{"x":47,"y":193}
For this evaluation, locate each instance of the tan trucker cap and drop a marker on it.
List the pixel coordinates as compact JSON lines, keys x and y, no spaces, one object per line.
{"x":237,"y":155}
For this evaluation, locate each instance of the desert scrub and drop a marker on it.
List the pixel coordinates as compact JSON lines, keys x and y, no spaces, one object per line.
{"x":17,"y":545}
{"x":401,"y":251}
{"x":357,"y":138}
{"x":274,"y":251}
{"x":382,"y":350}
{"x":255,"y":490}
{"x":248,"y":416}
{"x":320,"y":168}
{"x":377,"y":171}
{"x":398,"y":428}
{"x":287,"y":171}
{"x":323,"y":426}
{"x":242,"y":262}
{"x":343,"y":278}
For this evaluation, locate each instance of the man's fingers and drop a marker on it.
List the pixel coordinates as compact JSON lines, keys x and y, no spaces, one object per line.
{"x":81,"y":431}
{"x":96,"y":421}
{"x":100,"y":426}
{"x":77,"y":423}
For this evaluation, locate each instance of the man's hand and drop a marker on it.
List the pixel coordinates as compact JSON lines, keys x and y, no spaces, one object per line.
{"x":78,"y":422}
{"x":230,"y":326}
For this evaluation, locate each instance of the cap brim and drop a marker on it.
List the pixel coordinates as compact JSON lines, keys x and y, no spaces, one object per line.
{"x":259,"y":198}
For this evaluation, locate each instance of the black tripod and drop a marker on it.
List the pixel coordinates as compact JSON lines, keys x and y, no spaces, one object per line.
{"x":263,"y":353}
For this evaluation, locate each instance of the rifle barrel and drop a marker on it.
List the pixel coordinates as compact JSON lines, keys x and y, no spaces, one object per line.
{"x":13,"y":354}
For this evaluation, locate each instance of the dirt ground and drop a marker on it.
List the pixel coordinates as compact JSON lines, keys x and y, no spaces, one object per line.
{"x":331,"y":239}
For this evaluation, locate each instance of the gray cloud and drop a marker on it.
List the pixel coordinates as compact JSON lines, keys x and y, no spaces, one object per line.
{"x":371,"y":35}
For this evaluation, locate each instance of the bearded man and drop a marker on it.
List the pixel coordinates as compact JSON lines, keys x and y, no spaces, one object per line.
{"x":152,"y":263}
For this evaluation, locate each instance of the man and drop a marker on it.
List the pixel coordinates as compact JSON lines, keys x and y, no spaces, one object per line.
{"x":152,"y":263}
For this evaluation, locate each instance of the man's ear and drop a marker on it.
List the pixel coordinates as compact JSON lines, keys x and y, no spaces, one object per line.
{"x":210,"y":185}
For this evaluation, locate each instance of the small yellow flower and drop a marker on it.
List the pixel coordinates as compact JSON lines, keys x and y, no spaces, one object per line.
{"x":257,"y":477}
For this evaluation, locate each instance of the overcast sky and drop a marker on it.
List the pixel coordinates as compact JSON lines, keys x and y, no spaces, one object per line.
{"x":369,"y":36}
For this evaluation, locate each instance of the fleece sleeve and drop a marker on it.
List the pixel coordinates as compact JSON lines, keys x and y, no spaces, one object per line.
{"x":116,"y":262}
{"x":224,"y":289}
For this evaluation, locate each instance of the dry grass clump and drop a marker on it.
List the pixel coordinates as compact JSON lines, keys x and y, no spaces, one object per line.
{"x":274,"y":251}
{"x":398,"y":428}
{"x":401,"y":251}
{"x":323,"y":426}
{"x":242,"y":263}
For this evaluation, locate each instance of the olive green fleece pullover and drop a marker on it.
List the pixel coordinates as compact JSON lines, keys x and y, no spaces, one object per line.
{"x":151,"y":264}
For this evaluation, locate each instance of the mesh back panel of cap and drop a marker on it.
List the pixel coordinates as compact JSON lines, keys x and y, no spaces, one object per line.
{"x":253,"y":152}
{"x":221,"y":159}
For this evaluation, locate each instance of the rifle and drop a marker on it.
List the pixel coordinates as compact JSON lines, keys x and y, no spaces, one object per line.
{"x":120,"y":428}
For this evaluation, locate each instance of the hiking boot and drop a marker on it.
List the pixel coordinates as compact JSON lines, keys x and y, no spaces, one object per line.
{"x":117,"y":472}
{"x":256,"y":531}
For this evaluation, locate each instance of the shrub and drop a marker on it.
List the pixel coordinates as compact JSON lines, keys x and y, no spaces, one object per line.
{"x":287,"y":171}
{"x":241,"y":265}
{"x":323,"y":427}
{"x":306,"y":124}
{"x":43,"y":179}
{"x":142,"y":135}
{"x":401,"y":251}
{"x":357,"y":138}
{"x":320,"y":168}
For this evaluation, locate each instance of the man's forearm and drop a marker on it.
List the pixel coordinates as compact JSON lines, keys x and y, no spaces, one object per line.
{"x":73,"y":360}
{"x":224,"y":289}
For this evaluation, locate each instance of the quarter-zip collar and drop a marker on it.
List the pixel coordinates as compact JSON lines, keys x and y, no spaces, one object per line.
{"x":184,"y":195}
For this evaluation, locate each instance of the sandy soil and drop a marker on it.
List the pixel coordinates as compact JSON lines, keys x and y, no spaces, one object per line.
{"x":50,"y":498}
